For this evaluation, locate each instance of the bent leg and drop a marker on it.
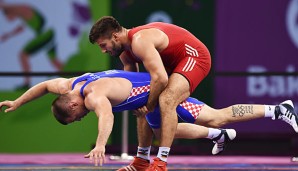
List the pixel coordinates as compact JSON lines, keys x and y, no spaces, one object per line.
{"x":176,"y":91}
{"x":237,"y":113}
{"x":191,"y":131}
{"x":144,"y":132}
{"x":141,"y":161}
{"x":187,"y":131}
{"x":145,"y":136}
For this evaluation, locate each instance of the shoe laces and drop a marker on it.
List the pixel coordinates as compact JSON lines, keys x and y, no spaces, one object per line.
{"x":157,"y":164}
{"x":287,"y":117}
{"x":220,"y":145}
{"x":220,"y":140}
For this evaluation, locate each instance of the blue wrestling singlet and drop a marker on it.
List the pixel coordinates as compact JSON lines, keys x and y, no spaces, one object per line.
{"x":187,"y":111}
{"x":140,"y":87}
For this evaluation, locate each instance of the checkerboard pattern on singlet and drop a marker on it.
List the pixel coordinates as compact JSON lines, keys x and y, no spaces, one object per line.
{"x":194,"y":109}
{"x":139,"y":90}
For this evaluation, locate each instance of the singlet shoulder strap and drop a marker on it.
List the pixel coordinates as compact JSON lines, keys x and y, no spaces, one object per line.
{"x":79,"y":79}
{"x":84,"y":77}
{"x":82,"y":88}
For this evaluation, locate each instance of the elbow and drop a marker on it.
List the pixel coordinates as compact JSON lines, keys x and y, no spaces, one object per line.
{"x":164,"y":81}
{"x":161,"y":80}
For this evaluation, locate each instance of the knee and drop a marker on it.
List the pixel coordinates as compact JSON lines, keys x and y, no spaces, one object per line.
{"x":213,"y":119}
{"x":166,"y":99}
{"x":218,"y":121}
{"x":216,"y":124}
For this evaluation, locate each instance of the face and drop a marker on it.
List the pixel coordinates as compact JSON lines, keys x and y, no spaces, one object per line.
{"x":78,"y":109}
{"x":78,"y":115}
{"x":110,"y":46}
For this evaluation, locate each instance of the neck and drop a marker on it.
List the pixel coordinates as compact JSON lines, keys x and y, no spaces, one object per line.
{"x":125,"y":40}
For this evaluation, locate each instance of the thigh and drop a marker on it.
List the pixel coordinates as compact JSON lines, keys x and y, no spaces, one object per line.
{"x":153,"y":118}
{"x":194,"y":70}
{"x":207,"y":116}
{"x":190,"y":109}
{"x":177,"y":89}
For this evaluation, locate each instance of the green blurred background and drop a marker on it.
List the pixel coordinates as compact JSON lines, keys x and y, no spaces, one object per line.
{"x":237,"y":39}
{"x":33,"y":129}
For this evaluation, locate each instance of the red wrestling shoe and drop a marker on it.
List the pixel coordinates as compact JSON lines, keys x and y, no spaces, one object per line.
{"x":138,"y":164}
{"x":157,"y":165}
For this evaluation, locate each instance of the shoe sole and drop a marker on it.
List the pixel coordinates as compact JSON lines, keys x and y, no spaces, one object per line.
{"x":231,"y":133}
{"x":290,"y":102}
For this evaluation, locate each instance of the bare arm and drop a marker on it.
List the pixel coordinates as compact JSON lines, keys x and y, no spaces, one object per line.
{"x":128,"y":64}
{"x":57,"y":86}
{"x":103,"y":110}
{"x":144,"y":47}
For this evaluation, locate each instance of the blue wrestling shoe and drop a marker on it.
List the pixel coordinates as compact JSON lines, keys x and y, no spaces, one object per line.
{"x":286,"y":112}
{"x":222,"y":139}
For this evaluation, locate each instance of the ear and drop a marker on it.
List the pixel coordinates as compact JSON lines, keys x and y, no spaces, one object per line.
{"x":115,"y":35}
{"x":73,"y":105}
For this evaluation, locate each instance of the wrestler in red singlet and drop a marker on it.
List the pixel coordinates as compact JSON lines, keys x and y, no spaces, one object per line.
{"x":185,"y":54}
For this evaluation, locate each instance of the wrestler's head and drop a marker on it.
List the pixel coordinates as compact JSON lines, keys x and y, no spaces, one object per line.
{"x":105,"y":33}
{"x":68,"y":108}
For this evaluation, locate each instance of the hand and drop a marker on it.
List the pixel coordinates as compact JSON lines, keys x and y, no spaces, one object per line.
{"x":97,"y":155}
{"x":150,"y":108}
{"x":142,"y":111}
{"x":11,"y":106}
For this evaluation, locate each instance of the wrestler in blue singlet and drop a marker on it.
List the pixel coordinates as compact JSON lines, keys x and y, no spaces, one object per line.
{"x":188,"y":110}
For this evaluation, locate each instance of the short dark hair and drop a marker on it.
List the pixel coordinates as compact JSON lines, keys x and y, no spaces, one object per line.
{"x":103,"y":28}
{"x":60,"y":108}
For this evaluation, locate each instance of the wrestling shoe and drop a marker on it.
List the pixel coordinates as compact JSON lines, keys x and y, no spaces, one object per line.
{"x":286,"y":112}
{"x":157,"y":165}
{"x":138,"y":164}
{"x":222,"y":139}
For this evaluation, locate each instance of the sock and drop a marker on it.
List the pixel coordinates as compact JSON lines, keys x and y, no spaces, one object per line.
{"x":144,"y":152}
{"x":212,"y":133}
{"x":269,"y":111}
{"x":163,"y":153}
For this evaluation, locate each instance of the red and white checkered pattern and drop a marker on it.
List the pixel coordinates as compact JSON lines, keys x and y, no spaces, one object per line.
{"x":193,"y":108}
{"x":139,"y":90}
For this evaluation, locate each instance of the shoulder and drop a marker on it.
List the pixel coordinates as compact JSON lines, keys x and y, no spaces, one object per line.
{"x":97,"y":92}
{"x":149,"y":32}
{"x":147,"y":36}
{"x":57,"y":85}
{"x":100,"y":86}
